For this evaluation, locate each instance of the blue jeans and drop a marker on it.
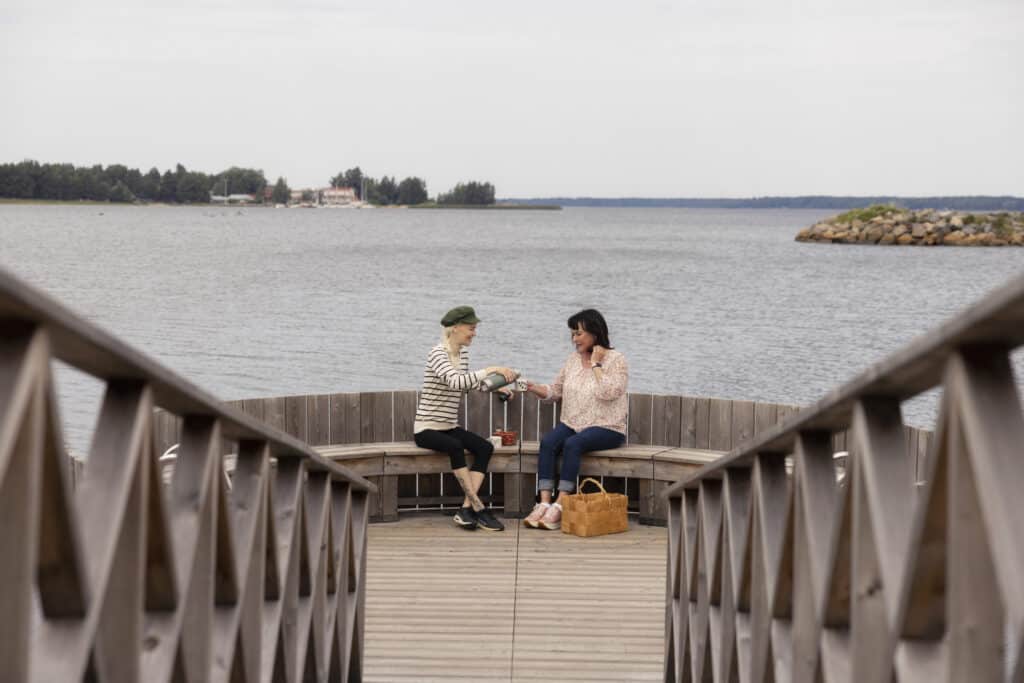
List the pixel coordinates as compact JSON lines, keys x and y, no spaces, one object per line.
{"x":572,"y":445}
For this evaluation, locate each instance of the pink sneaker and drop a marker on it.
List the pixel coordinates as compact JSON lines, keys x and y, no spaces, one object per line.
{"x":533,"y":519}
{"x":552,"y":519}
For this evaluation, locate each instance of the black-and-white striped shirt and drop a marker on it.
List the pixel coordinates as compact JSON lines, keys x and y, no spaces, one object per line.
{"x":443,"y":386}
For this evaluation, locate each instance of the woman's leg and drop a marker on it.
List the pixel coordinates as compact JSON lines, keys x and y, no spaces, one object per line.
{"x":447,"y":442}
{"x":482,"y":449}
{"x":550,"y":447}
{"x":589,"y":439}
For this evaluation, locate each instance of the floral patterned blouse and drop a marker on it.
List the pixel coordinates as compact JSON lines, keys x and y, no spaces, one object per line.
{"x":588,"y":401}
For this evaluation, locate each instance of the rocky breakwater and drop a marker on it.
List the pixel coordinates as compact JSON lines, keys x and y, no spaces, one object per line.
{"x":926,"y":227}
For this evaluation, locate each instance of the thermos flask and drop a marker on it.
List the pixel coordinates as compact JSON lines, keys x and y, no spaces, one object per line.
{"x":496,"y":380}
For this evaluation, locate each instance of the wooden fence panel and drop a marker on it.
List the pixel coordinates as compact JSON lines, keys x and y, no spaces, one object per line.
{"x":531,"y":418}
{"x":405,"y":414}
{"x":478,"y":413}
{"x":720,"y":419}
{"x":765,"y":416}
{"x":742,"y":421}
{"x":703,"y":423}
{"x":318,"y":419}
{"x":641,"y":416}
{"x":295,"y":417}
{"x":688,"y":422}
{"x":667,"y":421}
{"x":274,"y":412}
{"x":345,"y":419}
{"x":254,"y":407}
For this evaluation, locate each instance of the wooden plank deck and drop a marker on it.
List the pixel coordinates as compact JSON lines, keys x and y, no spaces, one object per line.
{"x":445,"y":604}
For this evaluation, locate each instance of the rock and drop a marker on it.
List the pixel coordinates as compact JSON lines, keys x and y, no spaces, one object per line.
{"x":925,"y":227}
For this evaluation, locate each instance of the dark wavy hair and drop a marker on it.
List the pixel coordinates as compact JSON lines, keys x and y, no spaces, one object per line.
{"x":593,"y":322}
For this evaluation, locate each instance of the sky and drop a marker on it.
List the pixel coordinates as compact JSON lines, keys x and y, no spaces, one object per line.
{"x":646,"y":98}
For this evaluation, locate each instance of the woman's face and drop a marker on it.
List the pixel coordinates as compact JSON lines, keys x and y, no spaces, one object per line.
{"x":581,"y":339}
{"x":463,"y":334}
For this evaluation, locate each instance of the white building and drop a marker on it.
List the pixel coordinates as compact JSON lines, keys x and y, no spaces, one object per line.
{"x":338,"y":196}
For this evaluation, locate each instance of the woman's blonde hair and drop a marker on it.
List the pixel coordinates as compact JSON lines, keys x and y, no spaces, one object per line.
{"x":453,"y":349}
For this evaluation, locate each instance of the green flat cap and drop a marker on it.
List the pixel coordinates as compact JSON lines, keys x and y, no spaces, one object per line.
{"x":460,"y":315}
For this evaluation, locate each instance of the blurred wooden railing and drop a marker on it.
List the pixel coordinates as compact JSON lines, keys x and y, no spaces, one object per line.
{"x":125,"y":579}
{"x":781,"y":577}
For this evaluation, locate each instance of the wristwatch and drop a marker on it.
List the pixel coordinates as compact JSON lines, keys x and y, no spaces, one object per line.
{"x":597,"y":365}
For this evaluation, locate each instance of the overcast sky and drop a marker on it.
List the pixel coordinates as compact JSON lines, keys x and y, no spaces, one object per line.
{"x":692,"y":98}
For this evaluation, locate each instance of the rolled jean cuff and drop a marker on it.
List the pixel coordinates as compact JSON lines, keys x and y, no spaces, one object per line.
{"x":545,"y":485}
{"x":567,"y":486}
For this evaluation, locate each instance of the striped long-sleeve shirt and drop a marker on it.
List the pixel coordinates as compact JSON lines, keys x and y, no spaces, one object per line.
{"x":443,"y":386}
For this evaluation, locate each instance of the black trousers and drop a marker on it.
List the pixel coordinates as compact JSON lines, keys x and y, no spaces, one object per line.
{"x":455,"y":442}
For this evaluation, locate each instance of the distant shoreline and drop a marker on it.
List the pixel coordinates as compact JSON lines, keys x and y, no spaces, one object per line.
{"x":219,"y":205}
{"x":491,"y":207}
{"x":824,"y":202}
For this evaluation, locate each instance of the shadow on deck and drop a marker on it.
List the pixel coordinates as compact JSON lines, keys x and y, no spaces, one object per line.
{"x":445,"y":604}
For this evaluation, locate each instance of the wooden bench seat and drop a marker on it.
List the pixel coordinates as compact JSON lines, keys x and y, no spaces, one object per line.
{"x":653,"y":467}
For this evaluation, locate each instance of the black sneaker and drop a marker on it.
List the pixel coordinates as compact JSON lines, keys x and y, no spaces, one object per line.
{"x":466,"y":519}
{"x":485,"y":520}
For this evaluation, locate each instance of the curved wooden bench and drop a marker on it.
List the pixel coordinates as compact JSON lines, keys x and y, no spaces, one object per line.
{"x":652,"y":467}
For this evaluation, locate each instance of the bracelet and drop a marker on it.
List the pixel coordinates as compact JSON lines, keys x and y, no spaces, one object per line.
{"x":597,"y":365}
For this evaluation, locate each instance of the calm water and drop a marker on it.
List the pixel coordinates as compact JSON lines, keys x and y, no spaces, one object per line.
{"x":260,"y":302}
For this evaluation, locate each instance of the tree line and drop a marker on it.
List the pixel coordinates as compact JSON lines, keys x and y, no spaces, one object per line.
{"x":117,"y":183}
{"x":383,"y":191}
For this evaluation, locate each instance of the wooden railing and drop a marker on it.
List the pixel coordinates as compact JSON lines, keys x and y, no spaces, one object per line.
{"x":254,"y":578}
{"x":795,"y":577}
{"x":671,"y":422}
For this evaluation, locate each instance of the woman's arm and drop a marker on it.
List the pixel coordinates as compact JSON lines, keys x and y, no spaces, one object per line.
{"x":612,"y":377}
{"x":460,"y":380}
{"x":550,"y":392}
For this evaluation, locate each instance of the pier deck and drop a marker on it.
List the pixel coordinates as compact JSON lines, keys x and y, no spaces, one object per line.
{"x":445,"y":604}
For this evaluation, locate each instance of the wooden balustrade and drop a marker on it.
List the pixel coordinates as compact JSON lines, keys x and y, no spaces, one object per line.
{"x":672,"y":422}
{"x":909,"y":568}
{"x":122,"y":578}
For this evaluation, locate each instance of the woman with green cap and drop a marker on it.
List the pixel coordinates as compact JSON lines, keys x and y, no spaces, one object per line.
{"x":445,"y":378}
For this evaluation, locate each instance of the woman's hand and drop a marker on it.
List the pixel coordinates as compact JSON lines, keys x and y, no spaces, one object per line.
{"x":509,"y":373}
{"x":597,"y":354}
{"x":537,"y":390}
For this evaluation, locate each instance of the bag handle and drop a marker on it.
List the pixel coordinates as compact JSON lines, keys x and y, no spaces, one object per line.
{"x":596,"y":482}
